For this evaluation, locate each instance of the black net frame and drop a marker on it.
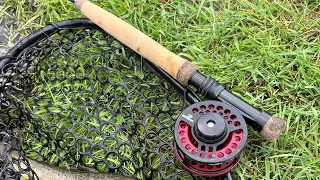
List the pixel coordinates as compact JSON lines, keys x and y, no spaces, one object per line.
{"x":44,"y":101}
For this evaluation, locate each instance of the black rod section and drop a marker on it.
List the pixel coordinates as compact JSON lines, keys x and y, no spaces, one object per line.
{"x":211,"y":89}
{"x":260,"y":117}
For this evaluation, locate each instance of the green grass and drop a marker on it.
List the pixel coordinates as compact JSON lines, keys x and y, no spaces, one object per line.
{"x":266,"y":52}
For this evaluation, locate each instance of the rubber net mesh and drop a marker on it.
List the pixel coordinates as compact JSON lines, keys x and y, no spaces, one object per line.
{"x":13,"y":163}
{"x":79,"y":98}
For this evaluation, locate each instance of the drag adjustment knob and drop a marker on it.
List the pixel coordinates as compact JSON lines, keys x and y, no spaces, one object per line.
{"x":210,"y":128}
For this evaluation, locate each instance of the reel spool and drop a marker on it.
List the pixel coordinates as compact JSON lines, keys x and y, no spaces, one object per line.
{"x":209,"y":138}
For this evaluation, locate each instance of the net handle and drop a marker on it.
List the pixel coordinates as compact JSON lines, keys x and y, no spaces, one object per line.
{"x":178,"y":67}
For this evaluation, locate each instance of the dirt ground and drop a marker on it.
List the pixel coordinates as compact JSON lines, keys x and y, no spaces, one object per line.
{"x":47,"y":172}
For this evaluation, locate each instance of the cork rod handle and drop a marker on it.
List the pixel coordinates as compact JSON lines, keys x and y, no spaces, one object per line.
{"x":178,"y":67}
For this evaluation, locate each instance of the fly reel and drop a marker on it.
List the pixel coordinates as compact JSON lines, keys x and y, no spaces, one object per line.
{"x":209,"y":138}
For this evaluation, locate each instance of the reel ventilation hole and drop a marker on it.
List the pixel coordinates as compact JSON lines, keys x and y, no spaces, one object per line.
{"x":209,"y":138}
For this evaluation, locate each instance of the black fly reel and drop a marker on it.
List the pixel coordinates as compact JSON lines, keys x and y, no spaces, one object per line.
{"x":209,"y":138}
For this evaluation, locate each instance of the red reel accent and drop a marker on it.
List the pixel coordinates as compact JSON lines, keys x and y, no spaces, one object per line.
{"x":187,"y":147}
{"x":228,"y":147}
{"x":232,"y":166}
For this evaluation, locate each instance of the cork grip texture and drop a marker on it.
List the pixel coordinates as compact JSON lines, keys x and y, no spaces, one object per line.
{"x":134,"y":39}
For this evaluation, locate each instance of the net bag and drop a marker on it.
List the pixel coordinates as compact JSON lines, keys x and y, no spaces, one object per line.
{"x":13,"y":163}
{"x":74,"y":97}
